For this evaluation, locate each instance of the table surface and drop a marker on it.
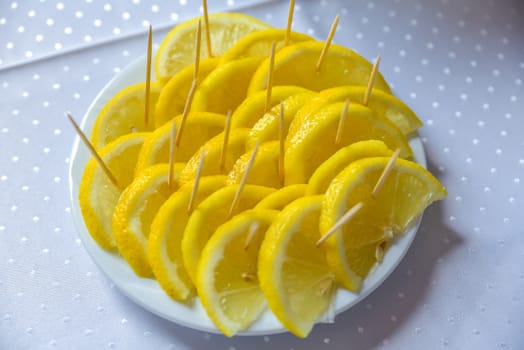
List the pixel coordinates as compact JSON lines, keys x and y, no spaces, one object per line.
{"x":459,"y":64}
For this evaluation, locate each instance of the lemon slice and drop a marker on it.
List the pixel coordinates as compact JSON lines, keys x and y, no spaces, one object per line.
{"x":282,"y":197}
{"x":200,"y":127}
{"x":173,"y":96}
{"x":165,"y":239}
{"x":212,"y":213}
{"x":324,"y":174}
{"x":265,"y":167}
{"x":224,"y":89}
{"x":304,"y":153}
{"x":296,"y":65}
{"x":407,"y":191}
{"x":293,"y":272}
{"x":213,"y":149}
{"x":176,"y":50}
{"x":267,"y":127}
{"x":227,"y":279}
{"x":253,"y":107}
{"x":135,"y":212}
{"x":98,"y":195}
{"x":258,"y":44}
{"x":124,"y":113}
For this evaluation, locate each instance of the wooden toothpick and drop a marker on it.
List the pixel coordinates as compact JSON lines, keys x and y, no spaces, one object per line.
{"x":225,"y":142}
{"x":327,"y":43}
{"x":371,"y":81}
{"x":197,"y":50}
{"x":208,"y":32}
{"x":269,"y":84}
{"x":289,"y":21}
{"x":172,"y":151}
{"x":341,"y":222}
{"x":385,"y":173}
{"x":243,"y":180}
{"x":253,"y":228}
{"x":93,"y":152}
{"x":281,"y":144}
{"x":341,"y":123}
{"x":148,"y":73}
{"x":197,"y":182}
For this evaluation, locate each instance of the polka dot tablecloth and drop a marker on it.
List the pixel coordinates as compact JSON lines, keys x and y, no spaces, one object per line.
{"x":458,"y":63}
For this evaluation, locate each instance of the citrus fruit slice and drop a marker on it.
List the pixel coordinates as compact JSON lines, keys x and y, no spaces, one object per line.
{"x":165,"y":239}
{"x":282,"y":197}
{"x":258,"y":44}
{"x":176,"y":50}
{"x":265,"y":167}
{"x":293,"y":272}
{"x":296,"y":65}
{"x":406,"y":192}
{"x":227,"y":279}
{"x":98,"y":195}
{"x":212,"y":213}
{"x":267,"y":127}
{"x":173,"y":96}
{"x":124,"y":113}
{"x":253,"y":107}
{"x":303,"y":153}
{"x":200,"y":127}
{"x":213,"y":149}
{"x":324,"y":174}
{"x":135,"y":211}
{"x":224,"y":89}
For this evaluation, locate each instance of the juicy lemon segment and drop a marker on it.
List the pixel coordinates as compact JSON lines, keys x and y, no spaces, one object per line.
{"x":213,"y":149}
{"x":267,"y":126}
{"x":258,"y":44}
{"x":381,"y":103}
{"x":304,"y":154}
{"x":135,"y":212}
{"x":177,"y":49}
{"x":227,"y":279}
{"x":212,"y":213}
{"x":265,"y":167}
{"x":172,"y":99}
{"x":296,"y":65}
{"x":293,"y":272}
{"x":165,"y":239}
{"x":324,"y":174}
{"x":98,"y":195}
{"x":124,"y":113}
{"x":282,"y":197}
{"x":406,"y":192}
{"x":200,"y":127}
{"x":224,"y":89}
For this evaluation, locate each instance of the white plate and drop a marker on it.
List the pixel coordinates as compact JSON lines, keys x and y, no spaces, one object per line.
{"x":147,"y":292}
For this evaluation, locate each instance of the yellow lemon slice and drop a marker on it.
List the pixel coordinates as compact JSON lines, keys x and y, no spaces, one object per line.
{"x":253,"y":107}
{"x":227,"y":279}
{"x":225,"y":88}
{"x":98,"y":195}
{"x":304,"y":153}
{"x":124,"y":113}
{"x":173,"y":96}
{"x":258,"y":44}
{"x":324,"y":174}
{"x":165,"y":239}
{"x":177,"y":49}
{"x":407,"y":191}
{"x":282,"y":197}
{"x":213,"y":150}
{"x":209,"y":215}
{"x":296,"y":65}
{"x":135,"y":212}
{"x":267,"y":127}
{"x":293,"y":272}
{"x":200,"y":127}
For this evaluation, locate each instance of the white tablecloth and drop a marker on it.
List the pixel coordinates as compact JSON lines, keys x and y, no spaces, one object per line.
{"x":459,"y":64}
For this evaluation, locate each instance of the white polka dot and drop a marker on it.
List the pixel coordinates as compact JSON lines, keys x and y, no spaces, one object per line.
{"x":79,"y":14}
{"x":68,"y":30}
{"x":107,"y":7}
{"x":50,"y":22}
{"x":97,"y":23}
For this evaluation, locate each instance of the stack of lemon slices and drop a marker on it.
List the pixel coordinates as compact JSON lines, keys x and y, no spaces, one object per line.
{"x":253,"y":211}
